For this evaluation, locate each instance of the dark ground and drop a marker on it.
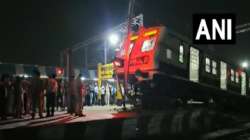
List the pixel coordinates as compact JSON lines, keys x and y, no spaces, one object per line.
{"x":179,"y":123}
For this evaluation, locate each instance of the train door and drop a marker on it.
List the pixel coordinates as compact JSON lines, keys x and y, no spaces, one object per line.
{"x":243,"y":83}
{"x":194,"y":65}
{"x":223,"y":75}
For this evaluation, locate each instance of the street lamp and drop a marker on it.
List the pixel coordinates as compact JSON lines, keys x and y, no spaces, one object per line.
{"x":244,"y":64}
{"x":113,"y":39}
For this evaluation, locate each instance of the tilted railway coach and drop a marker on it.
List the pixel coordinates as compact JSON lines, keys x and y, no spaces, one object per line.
{"x":166,"y":64}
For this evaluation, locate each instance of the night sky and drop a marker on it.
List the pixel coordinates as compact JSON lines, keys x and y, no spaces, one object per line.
{"x":34,"y":32}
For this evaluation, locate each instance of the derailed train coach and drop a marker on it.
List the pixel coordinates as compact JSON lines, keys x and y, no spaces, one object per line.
{"x":171,"y":65}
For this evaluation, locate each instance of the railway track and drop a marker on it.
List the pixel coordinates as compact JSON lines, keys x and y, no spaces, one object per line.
{"x":242,"y":132}
{"x":192,"y":123}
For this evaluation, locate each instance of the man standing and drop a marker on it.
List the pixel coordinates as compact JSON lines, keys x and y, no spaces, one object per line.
{"x":18,"y":100}
{"x":60,"y":94}
{"x":51,"y":95}
{"x":4,"y":85}
{"x":103,"y":90}
{"x":25,"y":84}
{"x":95,"y":98}
{"x":113,"y":91}
{"x":91,"y":93}
{"x":71,"y":95}
{"x":86,"y":100}
{"x":107,"y":95}
{"x":36,"y":91}
{"x":80,"y":89}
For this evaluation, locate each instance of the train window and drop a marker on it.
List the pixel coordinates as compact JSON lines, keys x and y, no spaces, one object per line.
{"x":207,"y":66}
{"x":148,"y":44}
{"x":181,"y":53}
{"x":232,"y":75}
{"x":236,"y":77}
{"x":169,"y":53}
{"x":214,"y":67}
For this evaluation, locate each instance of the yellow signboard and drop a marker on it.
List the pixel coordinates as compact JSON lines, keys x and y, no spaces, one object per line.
{"x":106,"y":72}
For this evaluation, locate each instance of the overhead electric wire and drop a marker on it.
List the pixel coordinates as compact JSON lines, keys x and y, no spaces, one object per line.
{"x":243,"y":28}
{"x":119,"y":28}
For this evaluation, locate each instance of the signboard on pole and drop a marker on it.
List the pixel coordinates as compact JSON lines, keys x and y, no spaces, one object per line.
{"x":105,"y":72}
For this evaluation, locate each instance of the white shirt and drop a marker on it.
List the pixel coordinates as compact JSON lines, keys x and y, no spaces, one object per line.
{"x":107,"y":89}
{"x":103,"y":90}
{"x":96,"y":89}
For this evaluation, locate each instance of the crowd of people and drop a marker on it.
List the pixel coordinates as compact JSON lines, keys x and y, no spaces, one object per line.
{"x":21,"y":96}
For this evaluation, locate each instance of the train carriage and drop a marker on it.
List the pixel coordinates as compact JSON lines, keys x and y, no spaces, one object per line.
{"x":159,"y":52}
{"x":210,"y":71}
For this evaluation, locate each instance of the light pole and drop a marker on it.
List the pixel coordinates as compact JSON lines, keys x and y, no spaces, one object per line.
{"x":105,"y":51}
{"x":85,"y":58}
{"x":112,"y":40}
